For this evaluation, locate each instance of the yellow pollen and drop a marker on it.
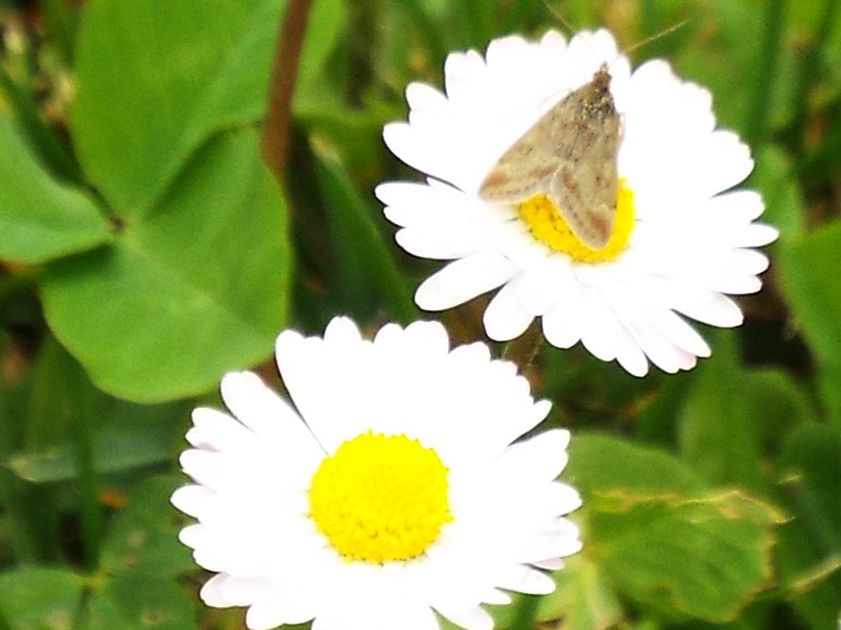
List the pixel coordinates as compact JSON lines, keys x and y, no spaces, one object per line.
{"x":380,"y":498}
{"x":547,"y":226}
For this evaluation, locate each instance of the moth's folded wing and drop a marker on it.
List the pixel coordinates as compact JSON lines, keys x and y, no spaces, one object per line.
{"x":525,"y":169}
{"x":586,"y":201}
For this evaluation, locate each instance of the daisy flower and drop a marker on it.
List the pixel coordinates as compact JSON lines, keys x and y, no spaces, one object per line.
{"x":681,"y":240}
{"x":394,"y":489}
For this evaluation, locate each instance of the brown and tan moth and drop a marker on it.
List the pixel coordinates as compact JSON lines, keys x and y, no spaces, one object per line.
{"x":569,"y":154}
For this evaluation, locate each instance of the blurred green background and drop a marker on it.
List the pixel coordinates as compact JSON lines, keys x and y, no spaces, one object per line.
{"x":145,"y":249}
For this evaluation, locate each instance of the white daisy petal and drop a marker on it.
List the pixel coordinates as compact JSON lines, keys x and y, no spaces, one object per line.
{"x":506,"y":317}
{"x":661,"y":353}
{"x":463,"y":280}
{"x":563,"y":323}
{"x":757,"y":235}
{"x":525,"y":580}
{"x":708,"y":307}
{"x":444,"y":427}
{"x":690,"y":236}
{"x":262,"y":411}
{"x":422,"y":97}
{"x":554,"y":564}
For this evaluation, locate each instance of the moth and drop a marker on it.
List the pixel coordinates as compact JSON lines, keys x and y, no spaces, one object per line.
{"x":569,"y":154}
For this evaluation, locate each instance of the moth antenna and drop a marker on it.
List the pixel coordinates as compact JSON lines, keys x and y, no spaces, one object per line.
{"x":556,"y":11}
{"x":658,"y":35}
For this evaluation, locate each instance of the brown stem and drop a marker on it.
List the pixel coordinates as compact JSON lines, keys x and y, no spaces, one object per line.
{"x":524,"y":348}
{"x":276,"y":129}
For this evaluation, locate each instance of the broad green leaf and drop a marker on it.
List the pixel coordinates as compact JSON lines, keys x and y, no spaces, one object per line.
{"x":719,"y":432}
{"x":156,"y":79}
{"x":598,"y":462}
{"x":809,"y":551}
{"x":139,"y":563}
{"x":643,"y":509}
{"x":40,"y":598}
{"x":143,"y":538}
{"x":809,"y":280}
{"x":779,"y":403}
{"x":41,"y":219}
{"x":53,"y":156}
{"x":141,"y":601}
{"x":197,"y":289}
{"x":705,"y":557}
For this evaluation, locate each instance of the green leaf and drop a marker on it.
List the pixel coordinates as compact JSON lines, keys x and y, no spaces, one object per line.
{"x":125,"y":435}
{"x":809,"y":280}
{"x":599,"y":462}
{"x":583,"y":599}
{"x":117,"y":450}
{"x":156,"y":79}
{"x":809,"y":552}
{"x":44,"y":142}
{"x":197,"y":289}
{"x":41,"y":219}
{"x":813,"y":455}
{"x":781,"y":192}
{"x":324,"y":25}
{"x":705,"y":557}
{"x":643,"y":509}
{"x":719,"y":432}
{"x":140,"y":560}
{"x":141,"y":601}
{"x":40,"y":598}
{"x":367,"y":274}
{"x":143,"y":538}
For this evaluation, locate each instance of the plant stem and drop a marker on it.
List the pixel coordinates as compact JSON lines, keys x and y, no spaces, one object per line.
{"x":524,"y":348}
{"x":276,"y":129}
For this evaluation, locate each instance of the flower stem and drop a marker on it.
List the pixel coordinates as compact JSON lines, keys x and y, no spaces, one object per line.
{"x":276,"y":129}
{"x":524,"y":348}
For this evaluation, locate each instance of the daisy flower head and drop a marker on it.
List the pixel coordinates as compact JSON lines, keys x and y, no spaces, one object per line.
{"x":570,"y":121}
{"x":395,"y":488}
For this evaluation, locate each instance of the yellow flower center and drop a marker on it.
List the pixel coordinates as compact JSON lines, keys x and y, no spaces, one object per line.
{"x":547,"y":226}
{"x":380,"y":498}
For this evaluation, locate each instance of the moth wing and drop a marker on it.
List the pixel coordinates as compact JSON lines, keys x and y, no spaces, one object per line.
{"x":584,"y":186}
{"x":527,"y":166}
{"x":586,"y":200}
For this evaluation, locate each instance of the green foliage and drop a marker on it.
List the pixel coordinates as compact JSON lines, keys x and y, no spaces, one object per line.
{"x":180,"y":307}
{"x":811,"y":285}
{"x":643,"y":509}
{"x":40,"y":218}
{"x":145,"y":249}
{"x":40,"y":598}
